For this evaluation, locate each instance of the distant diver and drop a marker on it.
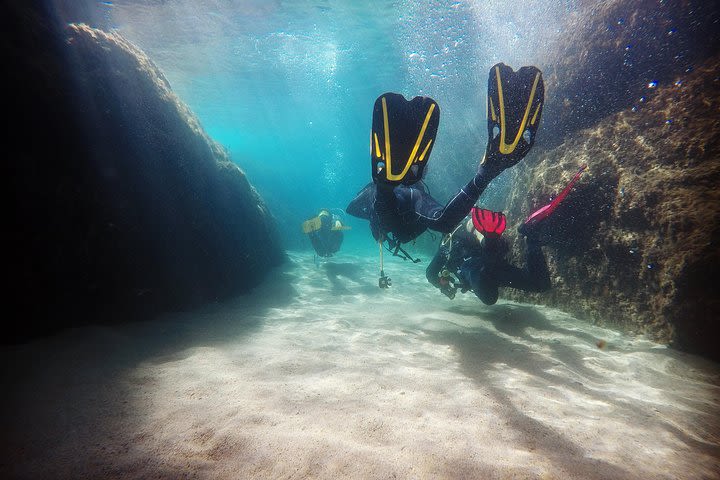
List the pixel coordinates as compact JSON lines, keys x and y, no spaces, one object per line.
{"x":402,"y":137}
{"x":473,"y":257}
{"x":325,"y":232}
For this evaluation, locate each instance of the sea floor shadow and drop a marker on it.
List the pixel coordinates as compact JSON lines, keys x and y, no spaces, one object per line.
{"x":346,"y":277}
{"x":555,"y":364}
{"x":515,"y":319}
{"x":163,"y":338}
{"x":480,"y":349}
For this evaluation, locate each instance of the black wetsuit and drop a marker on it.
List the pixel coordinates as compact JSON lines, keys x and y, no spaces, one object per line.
{"x":325,"y":240}
{"x":407,"y":211}
{"x":482,"y":267}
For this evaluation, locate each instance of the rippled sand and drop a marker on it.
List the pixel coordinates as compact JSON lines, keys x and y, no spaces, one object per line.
{"x":320,"y":374}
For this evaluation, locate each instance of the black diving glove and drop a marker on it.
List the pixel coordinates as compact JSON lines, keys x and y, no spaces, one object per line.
{"x":448,"y":290}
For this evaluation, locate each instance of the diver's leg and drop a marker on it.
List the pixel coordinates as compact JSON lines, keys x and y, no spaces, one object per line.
{"x":537,"y":267}
{"x":385,"y":207}
{"x":533,"y":278}
{"x":515,"y":95}
{"x":445,"y":218}
{"x":473,"y":273}
{"x":432,"y":272}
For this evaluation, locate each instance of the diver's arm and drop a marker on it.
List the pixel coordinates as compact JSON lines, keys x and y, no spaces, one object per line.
{"x":433,"y":269}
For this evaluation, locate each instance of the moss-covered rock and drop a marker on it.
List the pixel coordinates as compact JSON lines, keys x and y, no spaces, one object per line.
{"x":612,"y":53}
{"x":636,"y":243}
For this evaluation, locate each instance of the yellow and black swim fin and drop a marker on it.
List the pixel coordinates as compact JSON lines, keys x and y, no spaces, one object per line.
{"x":402,"y":137}
{"x":514,"y":107}
{"x":312,"y":225}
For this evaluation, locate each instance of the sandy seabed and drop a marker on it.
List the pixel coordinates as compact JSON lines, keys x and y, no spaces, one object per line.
{"x":320,"y":374}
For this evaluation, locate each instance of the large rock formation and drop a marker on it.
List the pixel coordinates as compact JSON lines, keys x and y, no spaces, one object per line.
{"x":636,"y":244}
{"x":121,"y":204}
{"x":612,"y":51}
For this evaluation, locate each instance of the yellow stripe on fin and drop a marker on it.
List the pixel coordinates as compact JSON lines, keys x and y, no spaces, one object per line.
{"x":505,"y":148}
{"x":410,"y":159}
{"x":422,"y":155}
{"x":532,"y":122}
{"x":386,"y":125}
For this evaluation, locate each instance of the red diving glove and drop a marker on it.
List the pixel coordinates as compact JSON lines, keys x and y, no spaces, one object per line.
{"x":487,"y":222}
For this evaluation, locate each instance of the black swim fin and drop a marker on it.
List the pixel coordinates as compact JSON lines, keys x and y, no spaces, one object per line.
{"x":514,"y":107}
{"x":402,"y":137}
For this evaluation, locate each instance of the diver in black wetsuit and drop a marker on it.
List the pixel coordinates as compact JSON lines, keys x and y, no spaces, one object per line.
{"x":472,"y":259}
{"x":398,"y":209}
{"x":325,"y":232}
{"x":407,"y":211}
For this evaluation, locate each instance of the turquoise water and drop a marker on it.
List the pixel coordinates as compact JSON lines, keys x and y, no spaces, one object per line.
{"x":288,"y":87}
{"x":317,"y":372}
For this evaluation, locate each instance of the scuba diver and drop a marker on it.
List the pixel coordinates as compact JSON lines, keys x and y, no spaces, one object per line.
{"x":325,"y":232}
{"x":402,"y":137}
{"x":473,"y":256}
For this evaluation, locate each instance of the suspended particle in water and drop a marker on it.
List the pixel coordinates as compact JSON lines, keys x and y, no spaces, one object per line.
{"x":601,"y":344}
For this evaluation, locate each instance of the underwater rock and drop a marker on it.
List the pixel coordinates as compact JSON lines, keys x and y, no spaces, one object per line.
{"x":123,"y":206}
{"x":617,"y":54}
{"x":636,"y":243}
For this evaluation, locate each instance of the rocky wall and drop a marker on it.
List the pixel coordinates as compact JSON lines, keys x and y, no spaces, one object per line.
{"x":121,"y":206}
{"x":612,"y":53}
{"x":636,"y":243}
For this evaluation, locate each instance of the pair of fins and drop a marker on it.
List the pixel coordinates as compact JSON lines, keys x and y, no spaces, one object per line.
{"x":404,"y":131}
{"x":314,"y":224}
{"x":491,"y":223}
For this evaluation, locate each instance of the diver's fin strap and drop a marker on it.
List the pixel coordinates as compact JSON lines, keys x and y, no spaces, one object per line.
{"x":402,"y":137}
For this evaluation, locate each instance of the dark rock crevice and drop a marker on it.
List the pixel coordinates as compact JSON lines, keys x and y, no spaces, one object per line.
{"x":122,"y":206}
